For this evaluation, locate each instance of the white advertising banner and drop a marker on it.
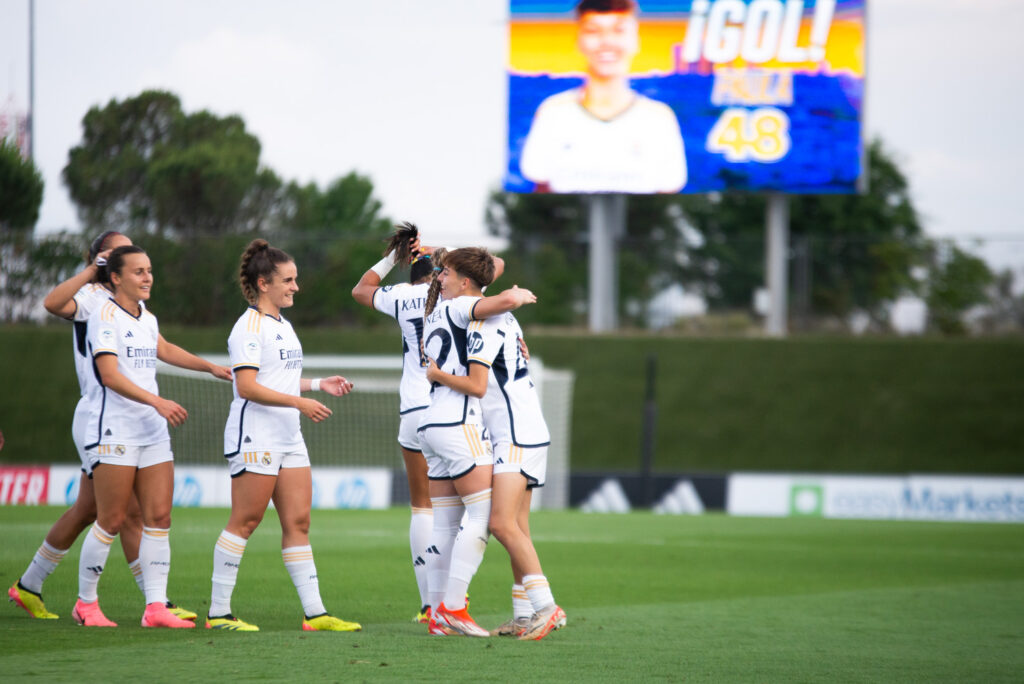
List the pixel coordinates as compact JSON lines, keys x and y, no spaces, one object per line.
{"x":912,"y":497}
{"x":210,"y":487}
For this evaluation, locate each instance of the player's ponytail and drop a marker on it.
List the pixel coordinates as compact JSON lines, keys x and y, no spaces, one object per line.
{"x":438,"y":258}
{"x":398,"y":244}
{"x":259,"y":260}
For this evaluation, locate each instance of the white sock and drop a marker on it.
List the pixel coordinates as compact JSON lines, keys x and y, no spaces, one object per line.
{"x":136,"y":567}
{"x":298,"y":560}
{"x":421,"y":524}
{"x":43,"y":564}
{"x":521,"y":606}
{"x":539,"y":591}
{"x":95,"y":550}
{"x":448,"y":512}
{"x":155,"y":556}
{"x":469,"y":547}
{"x":227,"y":557}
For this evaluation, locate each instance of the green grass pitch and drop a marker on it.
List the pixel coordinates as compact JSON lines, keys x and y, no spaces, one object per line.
{"x":650,"y":598}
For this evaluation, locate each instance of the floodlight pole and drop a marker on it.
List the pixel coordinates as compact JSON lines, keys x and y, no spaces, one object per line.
{"x":607,"y":222}
{"x":777,"y":241}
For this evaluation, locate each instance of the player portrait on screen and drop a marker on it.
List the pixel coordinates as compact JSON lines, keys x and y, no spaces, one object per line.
{"x":604,"y":136}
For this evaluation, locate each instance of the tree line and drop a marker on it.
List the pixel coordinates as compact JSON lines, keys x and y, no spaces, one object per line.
{"x":190,"y":188}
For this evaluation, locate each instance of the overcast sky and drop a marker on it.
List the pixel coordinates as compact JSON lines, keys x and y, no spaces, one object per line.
{"x":412,"y":93}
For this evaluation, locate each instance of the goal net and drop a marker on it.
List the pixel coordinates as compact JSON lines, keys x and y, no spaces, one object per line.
{"x":363,"y":430}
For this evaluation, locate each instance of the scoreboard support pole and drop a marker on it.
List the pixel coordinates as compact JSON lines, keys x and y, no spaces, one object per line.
{"x":777,"y":241}
{"x":607,"y":222}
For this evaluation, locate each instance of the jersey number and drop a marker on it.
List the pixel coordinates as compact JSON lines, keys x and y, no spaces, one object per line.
{"x":417,"y":323}
{"x":446,"y":345}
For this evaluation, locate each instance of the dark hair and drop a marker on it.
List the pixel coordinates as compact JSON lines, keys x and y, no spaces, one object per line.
{"x":475,"y":263}
{"x":115,"y":261}
{"x":259,"y":260}
{"x":101,"y":243}
{"x":399,"y":241}
{"x":422,"y":266}
{"x":603,"y":6}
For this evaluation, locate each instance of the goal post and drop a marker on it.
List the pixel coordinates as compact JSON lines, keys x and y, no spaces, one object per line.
{"x":362,"y":431}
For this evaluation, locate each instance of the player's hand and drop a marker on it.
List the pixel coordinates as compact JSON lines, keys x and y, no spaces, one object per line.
{"x":101,"y":258}
{"x":524,"y":350}
{"x":521,"y":296}
{"x":433,"y":372}
{"x":336,"y":386}
{"x":221,"y":372}
{"x":173,"y":412}
{"x":414,"y":248}
{"x":313,"y":409}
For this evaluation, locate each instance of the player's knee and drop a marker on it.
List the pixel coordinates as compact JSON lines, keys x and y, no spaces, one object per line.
{"x":502,"y":528}
{"x":112,"y":522}
{"x":160,"y":519}
{"x":249,"y":523}
{"x":297,"y":524}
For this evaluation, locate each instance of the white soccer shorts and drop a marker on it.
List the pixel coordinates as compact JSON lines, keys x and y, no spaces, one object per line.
{"x":452,"y":451}
{"x":79,"y":424}
{"x":137,"y":456}
{"x":530,"y":462}
{"x":408,"y":438}
{"x":267,"y":462}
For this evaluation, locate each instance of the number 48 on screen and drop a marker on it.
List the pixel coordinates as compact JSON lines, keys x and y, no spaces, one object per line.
{"x":742,"y":135}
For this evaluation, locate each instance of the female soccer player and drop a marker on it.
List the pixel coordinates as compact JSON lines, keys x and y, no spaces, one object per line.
{"x":500,"y":377}
{"x":126,"y":438}
{"x":263,"y":440}
{"x":454,"y":442}
{"x":404,"y":303}
{"x":74,"y":299}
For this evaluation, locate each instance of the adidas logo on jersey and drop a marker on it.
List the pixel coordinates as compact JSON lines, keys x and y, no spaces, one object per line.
{"x":128,"y":334}
{"x":107,"y":433}
{"x":500,"y":460}
{"x":433,"y":549}
{"x":419,"y":561}
{"x":279,"y":337}
{"x":247,"y":440}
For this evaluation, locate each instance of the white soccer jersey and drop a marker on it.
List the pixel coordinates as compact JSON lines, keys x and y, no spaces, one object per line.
{"x":268,"y":345}
{"x":570,"y":149}
{"x":87,"y":300}
{"x":444,"y":341}
{"x":404,"y":303}
{"x":511,"y":407}
{"x":114,"y":419}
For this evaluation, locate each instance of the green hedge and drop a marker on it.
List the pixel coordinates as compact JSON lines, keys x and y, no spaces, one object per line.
{"x":821,"y":404}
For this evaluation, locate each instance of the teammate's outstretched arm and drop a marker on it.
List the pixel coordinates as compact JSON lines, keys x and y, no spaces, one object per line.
{"x":176,"y":356}
{"x":508,"y":300}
